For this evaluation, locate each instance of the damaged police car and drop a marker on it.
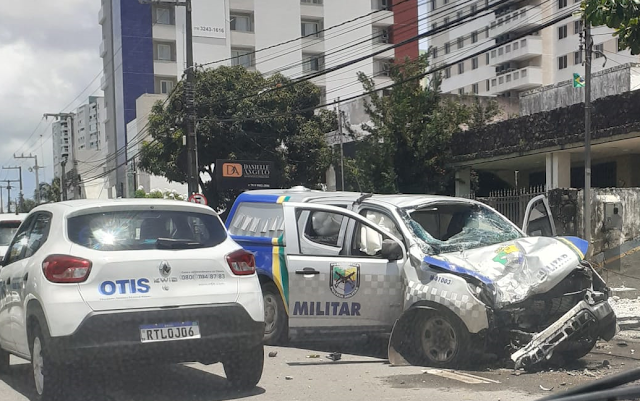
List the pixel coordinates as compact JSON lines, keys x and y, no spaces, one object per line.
{"x":443,"y":276}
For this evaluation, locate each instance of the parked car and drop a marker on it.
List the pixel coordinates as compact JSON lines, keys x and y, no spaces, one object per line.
{"x":441,"y":275}
{"x":130,"y":280}
{"x":9,"y":223}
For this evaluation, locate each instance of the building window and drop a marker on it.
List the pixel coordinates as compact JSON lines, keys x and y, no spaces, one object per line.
{"x":434,"y":52}
{"x":577,"y":58}
{"x":486,"y":32}
{"x":562,"y":3}
{"x":311,"y":28}
{"x":487,"y":58}
{"x":381,"y":35}
{"x":242,"y":57}
{"x":446,"y":20}
{"x":164,"y":52}
{"x":598,"y":50}
{"x":382,"y":68}
{"x":382,"y":5}
{"x":433,"y":5}
{"x":461,"y":91}
{"x":562,"y":62}
{"x":562,"y":32}
{"x":474,"y":8}
{"x":317,"y":2}
{"x":163,"y":15}
{"x":312,"y":62}
{"x":488,"y":86}
{"x":459,"y":14}
{"x":460,"y":42}
{"x":474,"y":89}
{"x":166,"y":86}
{"x":447,"y":48}
{"x":577,"y":27}
{"x":474,"y":63}
{"x":434,"y":25}
{"x":241,"y":22}
{"x":447,"y":72}
{"x":474,"y":37}
{"x":461,"y":68}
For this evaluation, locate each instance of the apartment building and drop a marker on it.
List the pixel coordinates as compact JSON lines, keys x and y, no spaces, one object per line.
{"x":89,"y":125}
{"x":143,"y":48}
{"x":62,"y":149}
{"x":545,"y":57}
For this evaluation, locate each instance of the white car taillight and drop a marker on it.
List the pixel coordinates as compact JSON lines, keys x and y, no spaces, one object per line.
{"x":66,"y":269}
{"x":242,"y":263}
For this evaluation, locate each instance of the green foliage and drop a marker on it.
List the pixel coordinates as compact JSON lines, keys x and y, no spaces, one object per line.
{"x":480,"y":114}
{"x":621,"y":15}
{"x":26,"y":205}
{"x":157,"y":194}
{"x":49,"y":192}
{"x":228,"y":128}
{"x":406,"y":148}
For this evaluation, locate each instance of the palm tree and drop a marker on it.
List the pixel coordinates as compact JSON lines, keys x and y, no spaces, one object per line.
{"x":49,"y":192}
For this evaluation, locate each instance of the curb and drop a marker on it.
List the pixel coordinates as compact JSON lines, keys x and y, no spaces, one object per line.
{"x":625,"y":293}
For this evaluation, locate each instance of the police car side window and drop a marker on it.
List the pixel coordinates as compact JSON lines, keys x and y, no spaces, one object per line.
{"x":324,"y":228}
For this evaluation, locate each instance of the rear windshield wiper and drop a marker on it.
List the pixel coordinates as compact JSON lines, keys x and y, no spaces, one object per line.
{"x":174,"y":243}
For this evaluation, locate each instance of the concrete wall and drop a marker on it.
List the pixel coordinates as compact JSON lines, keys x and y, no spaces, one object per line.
{"x":611,"y":81}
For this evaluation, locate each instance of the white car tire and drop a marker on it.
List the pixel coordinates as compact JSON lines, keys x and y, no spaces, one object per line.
{"x":46,"y":375}
{"x":244,"y":370}
{"x":4,"y":362}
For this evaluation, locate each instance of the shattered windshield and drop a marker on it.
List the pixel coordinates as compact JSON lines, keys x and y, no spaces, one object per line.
{"x":450,"y":227}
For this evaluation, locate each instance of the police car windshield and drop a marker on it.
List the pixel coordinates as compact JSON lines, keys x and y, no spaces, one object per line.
{"x":138,"y":230}
{"x":451,"y":227}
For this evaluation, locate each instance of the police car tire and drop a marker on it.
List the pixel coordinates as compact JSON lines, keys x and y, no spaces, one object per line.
{"x":244,"y":369}
{"x":280,"y":333}
{"x":578,"y":351}
{"x":463,"y":339}
{"x":4,"y":362}
{"x":54,"y":385}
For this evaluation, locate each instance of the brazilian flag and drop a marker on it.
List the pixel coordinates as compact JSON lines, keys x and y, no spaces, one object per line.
{"x":578,"y":81}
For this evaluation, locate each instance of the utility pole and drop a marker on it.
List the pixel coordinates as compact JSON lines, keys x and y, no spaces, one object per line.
{"x":75,"y":185}
{"x":63,"y":181}
{"x":588,"y":45}
{"x":192,"y":163}
{"x":9,"y":193}
{"x":19,"y":168}
{"x":1,"y":201}
{"x":34,"y":169}
{"x":339,"y":112}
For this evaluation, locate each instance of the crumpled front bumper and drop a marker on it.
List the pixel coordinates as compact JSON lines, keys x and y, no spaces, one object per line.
{"x":593,"y":317}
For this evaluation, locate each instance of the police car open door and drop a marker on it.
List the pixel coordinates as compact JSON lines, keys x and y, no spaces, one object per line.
{"x":538,"y":220}
{"x":344,"y":271}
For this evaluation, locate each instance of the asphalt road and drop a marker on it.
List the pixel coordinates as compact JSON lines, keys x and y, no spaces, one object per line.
{"x":361,"y":374}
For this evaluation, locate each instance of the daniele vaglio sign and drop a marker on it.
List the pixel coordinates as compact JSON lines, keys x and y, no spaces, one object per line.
{"x":243,"y":174}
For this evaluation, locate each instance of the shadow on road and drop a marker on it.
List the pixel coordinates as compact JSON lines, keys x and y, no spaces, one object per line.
{"x":153,"y":383}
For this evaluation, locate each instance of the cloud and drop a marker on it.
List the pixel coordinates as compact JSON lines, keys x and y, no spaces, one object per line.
{"x":48,"y":56}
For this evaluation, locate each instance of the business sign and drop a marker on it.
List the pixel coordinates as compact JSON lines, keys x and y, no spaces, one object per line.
{"x":242,"y":174}
{"x":208,"y":18}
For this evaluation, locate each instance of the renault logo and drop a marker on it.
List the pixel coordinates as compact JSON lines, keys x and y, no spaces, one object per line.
{"x":165,"y":269}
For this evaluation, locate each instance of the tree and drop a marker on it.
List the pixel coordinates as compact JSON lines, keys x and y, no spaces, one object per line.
{"x":158,"y":194}
{"x":27,"y":205}
{"x":277,"y":125}
{"x":621,"y":15}
{"x":49,"y":192}
{"x":405,"y":147}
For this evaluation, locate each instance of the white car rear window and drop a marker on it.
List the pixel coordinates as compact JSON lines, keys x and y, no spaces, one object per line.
{"x":140,"y":230}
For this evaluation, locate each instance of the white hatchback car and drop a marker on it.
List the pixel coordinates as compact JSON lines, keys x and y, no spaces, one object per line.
{"x":128,"y":280}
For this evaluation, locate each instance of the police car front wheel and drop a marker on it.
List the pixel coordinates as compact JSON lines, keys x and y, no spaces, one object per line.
{"x":443,"y":340}
{"x":275,"y":316}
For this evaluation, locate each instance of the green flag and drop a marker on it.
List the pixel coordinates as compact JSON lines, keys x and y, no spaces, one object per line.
{"x":578,"y":81}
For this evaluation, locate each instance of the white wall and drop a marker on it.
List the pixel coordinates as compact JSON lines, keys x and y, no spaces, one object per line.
{"x":277,"y":24}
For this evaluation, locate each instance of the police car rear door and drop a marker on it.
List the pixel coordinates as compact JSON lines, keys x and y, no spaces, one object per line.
{"x":340,"y":277}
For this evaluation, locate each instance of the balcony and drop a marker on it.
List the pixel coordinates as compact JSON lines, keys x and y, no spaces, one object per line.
{"x":164,"y":32}
{"x":523,"y":18}
{"x":165,"y":68}
{"x":101,"y":15}
{"x":517,"y":80}
{"x":517,"y":50}
{"x":243,"y":39}
{"x":103,"y":49}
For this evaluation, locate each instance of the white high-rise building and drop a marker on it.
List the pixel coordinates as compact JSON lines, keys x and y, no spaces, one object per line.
{"x":546,"y":57}
{"x":143,"y":48}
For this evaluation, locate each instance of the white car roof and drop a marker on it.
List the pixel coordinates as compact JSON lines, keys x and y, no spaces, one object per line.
{"x":73,"y":206}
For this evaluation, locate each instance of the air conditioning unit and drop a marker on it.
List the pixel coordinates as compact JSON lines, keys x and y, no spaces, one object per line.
{"x":384,"y":37}
{"x":385,"y":4}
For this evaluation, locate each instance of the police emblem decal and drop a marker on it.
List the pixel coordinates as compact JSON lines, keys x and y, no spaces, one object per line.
{"x":344,"y":279}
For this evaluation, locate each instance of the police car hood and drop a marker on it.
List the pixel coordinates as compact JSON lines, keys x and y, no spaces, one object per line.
{"x":518,"y":269}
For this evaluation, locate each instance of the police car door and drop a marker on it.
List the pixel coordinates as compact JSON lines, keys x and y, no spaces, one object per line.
{"x":344,"y":272}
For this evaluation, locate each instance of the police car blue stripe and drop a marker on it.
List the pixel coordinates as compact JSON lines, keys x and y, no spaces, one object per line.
{"x":456,"y":269}
{"x":579,"y":243}
{"x":253,"y":240}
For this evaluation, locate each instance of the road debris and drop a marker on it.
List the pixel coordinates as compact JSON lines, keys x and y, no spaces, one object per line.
{"x":273,"y":354}
{"x":588,"y":373}
{"x":334,"y":356}
{"x":313,"y":356}
{"x":545,"y":389}
{"x":288,"y":377}
{"x":606,"y":364}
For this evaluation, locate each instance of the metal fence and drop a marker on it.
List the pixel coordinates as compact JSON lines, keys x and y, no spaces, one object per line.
{"x":511,"y":203}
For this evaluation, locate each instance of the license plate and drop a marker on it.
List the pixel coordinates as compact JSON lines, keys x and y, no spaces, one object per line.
{"x":169,"y":332}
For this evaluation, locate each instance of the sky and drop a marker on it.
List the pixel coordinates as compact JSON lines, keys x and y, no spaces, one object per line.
{"x":49,"y":63}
